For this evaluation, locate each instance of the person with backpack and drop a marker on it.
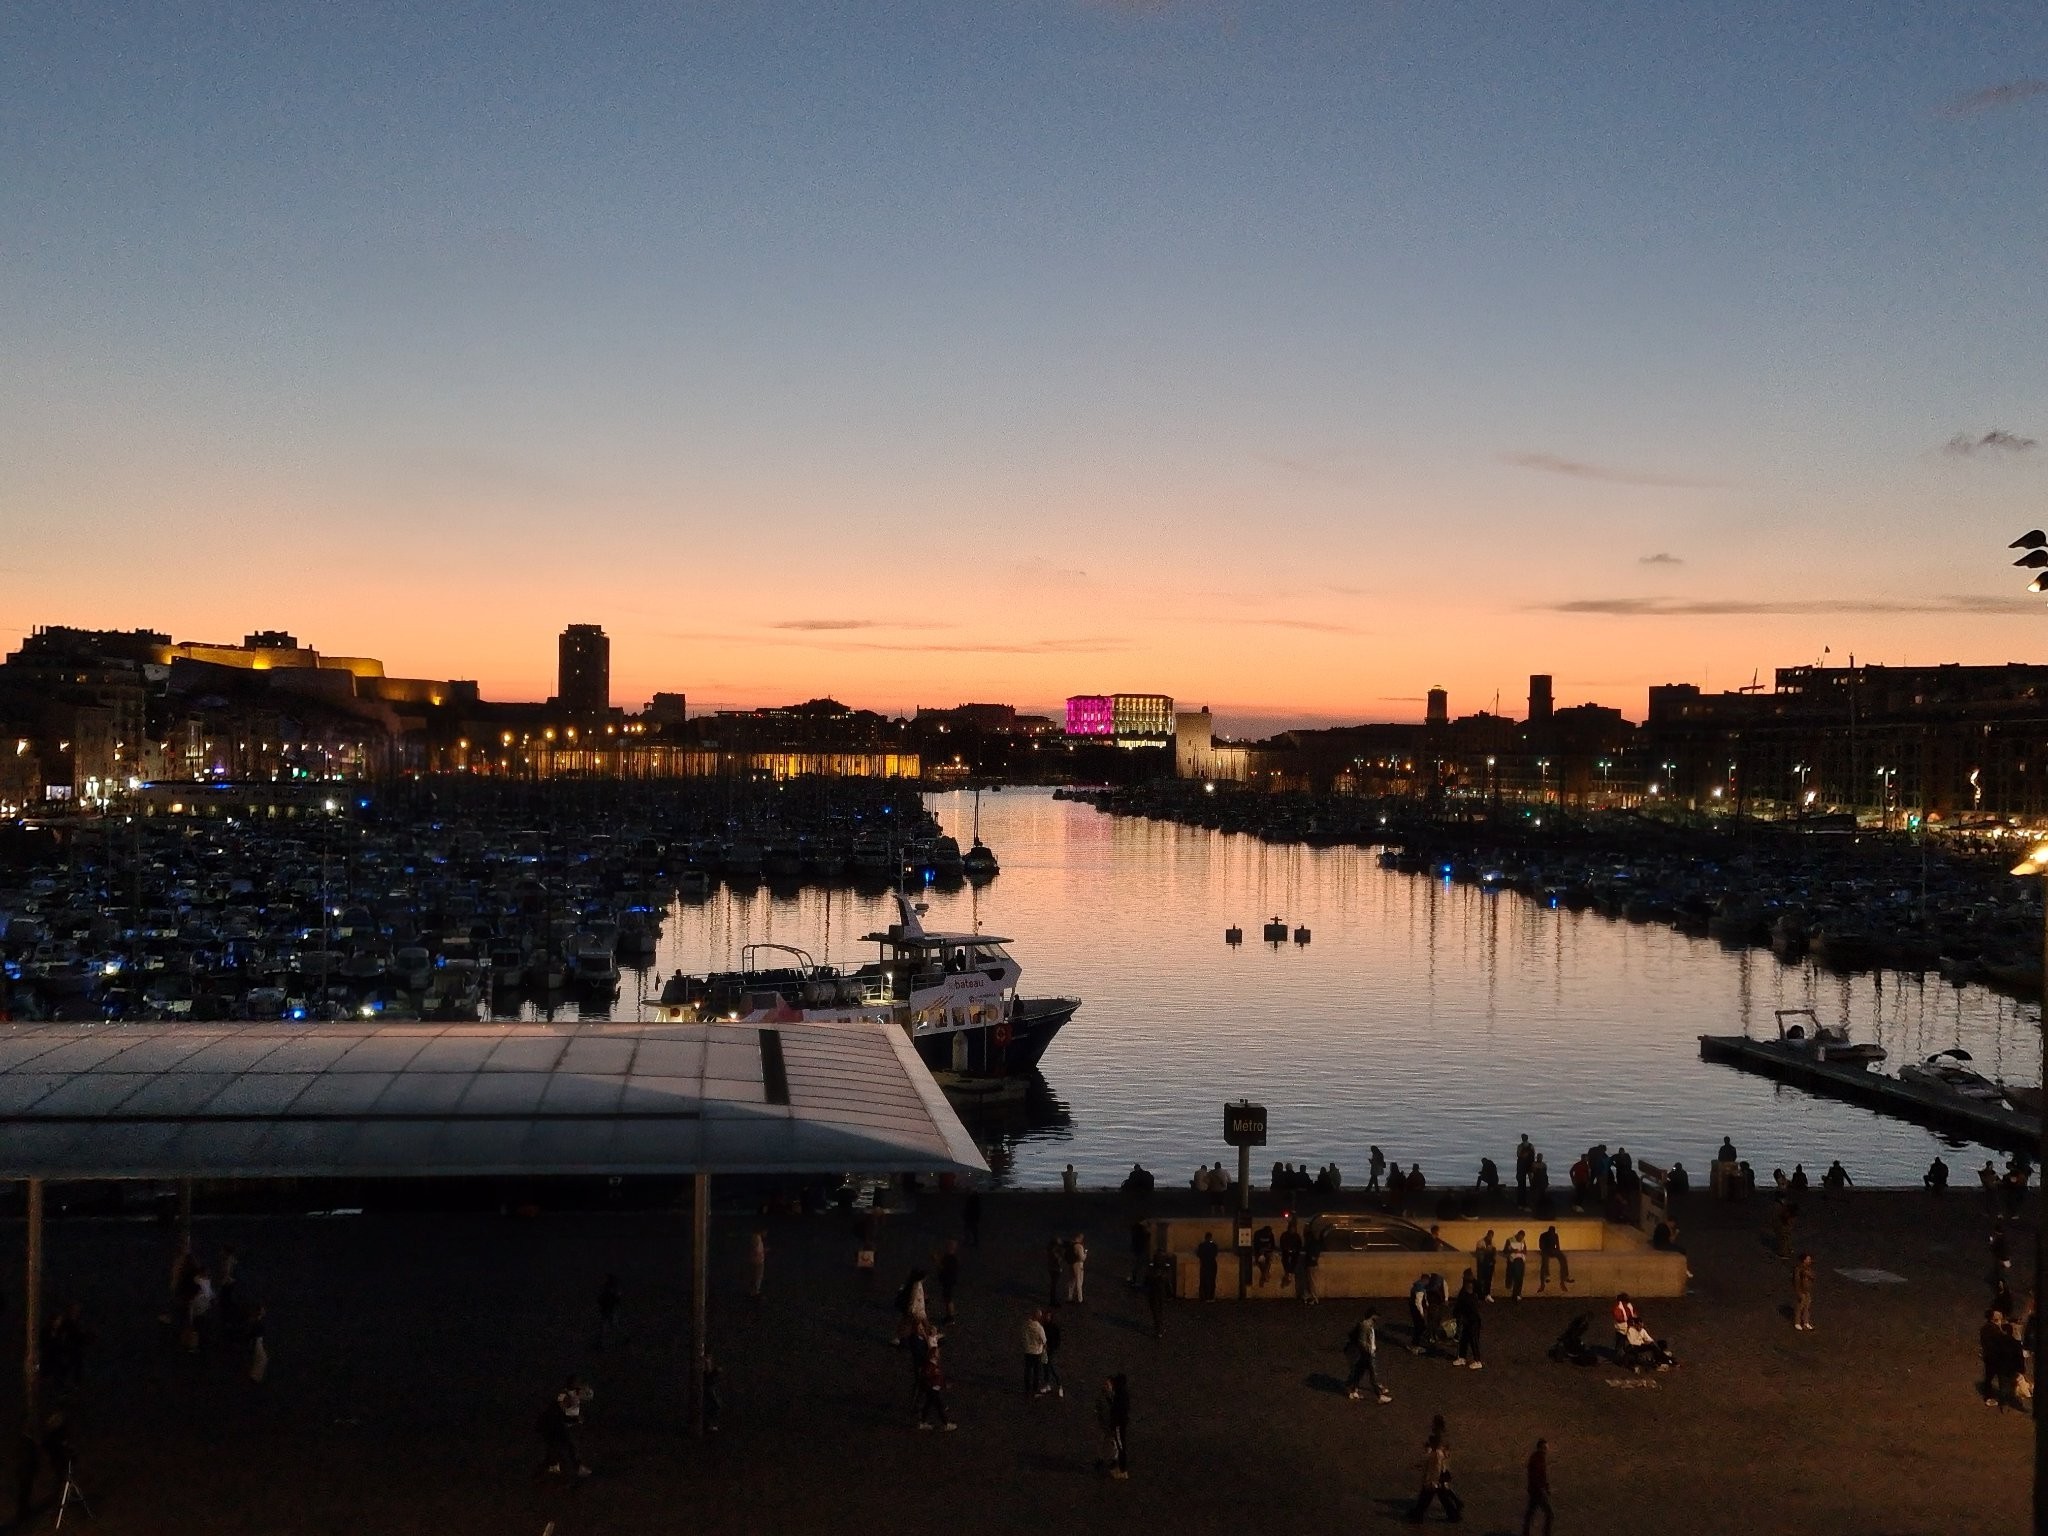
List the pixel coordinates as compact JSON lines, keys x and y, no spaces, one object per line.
{"x":1362,"y":1348}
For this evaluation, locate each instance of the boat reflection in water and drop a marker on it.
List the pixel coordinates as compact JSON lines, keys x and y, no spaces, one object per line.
{"x":1021,"y":1111}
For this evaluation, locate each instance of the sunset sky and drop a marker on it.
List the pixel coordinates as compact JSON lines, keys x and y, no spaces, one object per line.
{"x":1289,"y":357}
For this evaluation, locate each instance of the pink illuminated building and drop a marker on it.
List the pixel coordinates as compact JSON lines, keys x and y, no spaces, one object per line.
{"x":1091,"y":714}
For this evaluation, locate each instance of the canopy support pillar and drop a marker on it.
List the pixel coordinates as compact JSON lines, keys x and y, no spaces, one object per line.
{"x":32,"y":1317}
{"x":700,"y":1292}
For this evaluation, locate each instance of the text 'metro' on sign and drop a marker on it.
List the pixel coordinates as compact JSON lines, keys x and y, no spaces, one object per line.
{"x":1244,"y":1125}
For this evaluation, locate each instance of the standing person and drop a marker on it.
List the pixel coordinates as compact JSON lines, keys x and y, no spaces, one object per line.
{"x":1436,"y":1479}
{"x":1835,"y":1180}
{"x":1290,"y":1253}
{"x":970,"y":1217}
{"x":1525,"y":1163}
{"x":1077,"y":1269}
{"x":1052,"y":1354}
{"x":1518,"y":1263}
{"x":225,"y":1281}
{"x":1484,"y":1257}
{"x":1113,"y":1414}
{"x":1539,"y":1489}
{"x":1362,"y":1348}
{"x":1376,"y":1169}
{"x":608,"y":1298}
{"x":757,"y":1262}
{"x":1205,"y":1265}
{"x":1539,"y":1184}
{"x":1466,"y":1311}
{"x":1070,"y":1181}
{"x":259,"y":1344}
{"x":1034,"y":1355}
{"x":948,"y":1267}
{"x":1158,"y":1288}
{"x":1141,"y":1254}
{"x":1551,"y":1247}
{"x":1990,"y":1351}
{"x":1802,"y":1294}
{"x":1311,"y":1259}
{"x":559,"y":1422}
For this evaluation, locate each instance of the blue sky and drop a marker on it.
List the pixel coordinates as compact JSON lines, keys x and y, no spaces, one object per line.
{"x":1291,"y":357}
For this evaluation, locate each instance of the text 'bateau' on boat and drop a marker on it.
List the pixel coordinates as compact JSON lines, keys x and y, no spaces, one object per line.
{"x":954,"y":994}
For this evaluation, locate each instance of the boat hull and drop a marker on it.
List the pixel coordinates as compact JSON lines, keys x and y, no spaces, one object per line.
{"x":978,"y":1052}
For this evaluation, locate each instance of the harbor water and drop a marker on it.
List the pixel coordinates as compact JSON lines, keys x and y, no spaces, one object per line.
{"x":1436,"y":1020}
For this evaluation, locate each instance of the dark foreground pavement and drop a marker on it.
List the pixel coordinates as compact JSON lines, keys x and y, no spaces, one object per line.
{"x":411,"y":1355}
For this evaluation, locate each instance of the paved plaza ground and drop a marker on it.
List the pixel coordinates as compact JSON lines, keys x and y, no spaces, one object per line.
{"x":411,"y":1354}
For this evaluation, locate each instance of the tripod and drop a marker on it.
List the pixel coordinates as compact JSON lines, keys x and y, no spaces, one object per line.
{"x":71,"y":1494}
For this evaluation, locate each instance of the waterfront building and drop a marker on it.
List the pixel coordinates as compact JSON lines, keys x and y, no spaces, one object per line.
{"x":584,"y":671}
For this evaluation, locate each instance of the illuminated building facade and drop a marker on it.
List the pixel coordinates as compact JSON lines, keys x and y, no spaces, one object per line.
{"x":1091,"y":714}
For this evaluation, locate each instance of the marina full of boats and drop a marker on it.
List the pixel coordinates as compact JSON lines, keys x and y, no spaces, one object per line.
{"x":430,"y":907}
{"x":1851,"y":902}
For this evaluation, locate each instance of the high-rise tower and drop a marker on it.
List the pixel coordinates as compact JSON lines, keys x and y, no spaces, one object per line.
{"x":584,"y":679}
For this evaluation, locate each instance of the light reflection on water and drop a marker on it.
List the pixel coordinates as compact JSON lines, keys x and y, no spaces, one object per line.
{"x":1437,"y":1020}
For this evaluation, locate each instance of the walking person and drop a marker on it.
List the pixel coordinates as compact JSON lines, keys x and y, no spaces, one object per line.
{"x":1436,"y":1479}
{"x":1465,"y":1309}
{"x":1518,"y":1263}
{"x":757,"y":1262}
{"x":1158,"y":1290}
{"x":1311,"y":1259}
{"x":1053,"y":1337}
{"x":1539,"y":1489}
{"x":1552,"y":1247}
{"x":1206,"y":1253}
{"x":1362,"y":1348}
{"x":1484,"y":1257}
{"x":1802,"y":1294}
{"x":931,"y":1403}
{"x":1113,"y":1416}
{"x":1034,"y":1355}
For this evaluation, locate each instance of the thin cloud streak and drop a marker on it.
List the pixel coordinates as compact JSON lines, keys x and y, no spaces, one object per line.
{"x":1997,"y":440}
{"x":842,"y":624}
{"x":1660,"y":558}
{"x":1579,"y":469}
{"x":1082,"y":645}
{"x":1992,"y":97}
{"x":1672,"y":608}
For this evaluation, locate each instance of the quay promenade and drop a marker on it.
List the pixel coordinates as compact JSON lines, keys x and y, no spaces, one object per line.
{"x":410,"y":1355}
